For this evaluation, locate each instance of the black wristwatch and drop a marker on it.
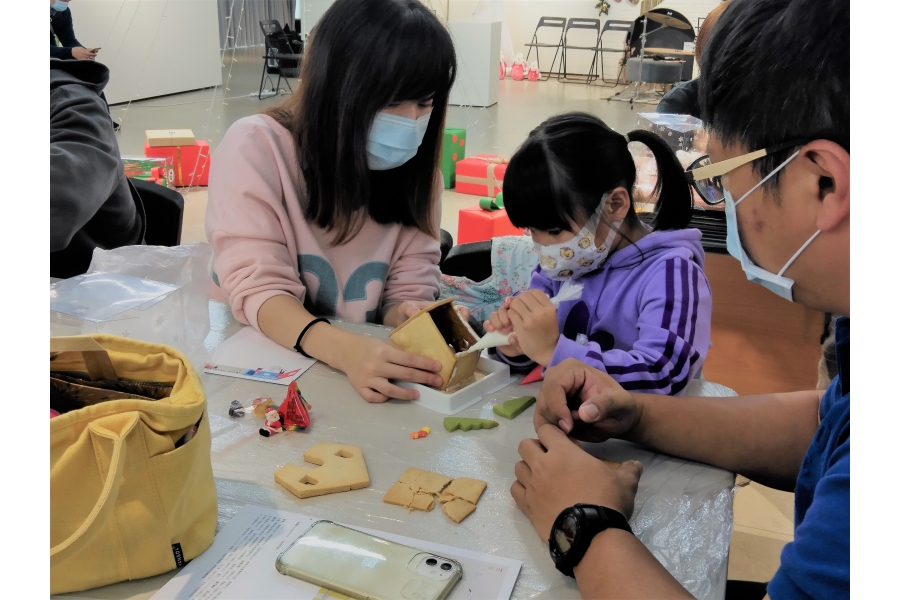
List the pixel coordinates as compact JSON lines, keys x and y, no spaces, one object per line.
{"x":574,"y":529}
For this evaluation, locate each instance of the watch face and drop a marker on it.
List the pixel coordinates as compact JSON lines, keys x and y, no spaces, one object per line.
{"x":564,"y":534}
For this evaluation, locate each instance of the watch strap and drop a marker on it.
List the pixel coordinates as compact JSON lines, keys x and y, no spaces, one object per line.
{"x":595,"y":520}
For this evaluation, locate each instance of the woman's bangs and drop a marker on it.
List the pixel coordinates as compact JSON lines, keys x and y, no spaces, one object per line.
{"x":424,"y":62}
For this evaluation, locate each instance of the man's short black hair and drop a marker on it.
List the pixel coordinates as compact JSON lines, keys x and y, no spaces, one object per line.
{"x":776,"y":71}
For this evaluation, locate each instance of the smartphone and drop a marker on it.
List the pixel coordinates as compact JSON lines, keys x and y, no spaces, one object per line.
{"x":363,"y":566}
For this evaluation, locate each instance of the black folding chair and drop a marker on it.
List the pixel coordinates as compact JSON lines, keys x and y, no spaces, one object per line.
{"x":589,"y":24}
{"x":273,"y":33}
{"x":550,"y":23}
{"x":626,"y":27}
{"x":472,"y":260}
{"x":163,"y":209}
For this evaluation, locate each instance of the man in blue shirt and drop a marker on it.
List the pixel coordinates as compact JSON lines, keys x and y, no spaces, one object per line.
{"x":775,"y":95}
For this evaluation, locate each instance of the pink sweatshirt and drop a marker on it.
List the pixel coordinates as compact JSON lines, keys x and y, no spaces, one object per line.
{"x":265,"y":247}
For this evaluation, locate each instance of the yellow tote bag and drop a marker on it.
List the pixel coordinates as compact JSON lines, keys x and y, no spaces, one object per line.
{"x":131,"y":484}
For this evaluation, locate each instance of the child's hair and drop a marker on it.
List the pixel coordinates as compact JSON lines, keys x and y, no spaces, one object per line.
{"x":559,"y":175}
{"x":362,"y":56}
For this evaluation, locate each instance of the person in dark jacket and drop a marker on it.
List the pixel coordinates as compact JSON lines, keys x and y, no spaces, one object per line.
{"x":682,"y":99}
{"x":61,"y":29}
{"x":91,"y":204}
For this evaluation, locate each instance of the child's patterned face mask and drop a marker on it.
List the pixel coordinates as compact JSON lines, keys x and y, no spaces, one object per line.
{"x":580,"y":255}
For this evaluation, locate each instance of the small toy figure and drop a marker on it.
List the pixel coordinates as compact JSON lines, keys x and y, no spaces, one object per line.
{"x":273,"y":423}
{"x":236,"y":410}
{"x":421,"y":433}
{"x":534,"y":74}
{"x":519,"y":67}
{"x":294,"y":411}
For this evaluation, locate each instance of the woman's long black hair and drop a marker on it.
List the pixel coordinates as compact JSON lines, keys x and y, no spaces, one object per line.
{"x":559,"y":175}
{"x":362,"y":56}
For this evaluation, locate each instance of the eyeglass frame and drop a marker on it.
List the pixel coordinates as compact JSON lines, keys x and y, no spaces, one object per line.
{"x":723,"y":167}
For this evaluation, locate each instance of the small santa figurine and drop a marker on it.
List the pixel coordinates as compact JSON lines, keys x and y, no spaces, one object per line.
{"x":273,"y":423}
{"x":518,"y":68}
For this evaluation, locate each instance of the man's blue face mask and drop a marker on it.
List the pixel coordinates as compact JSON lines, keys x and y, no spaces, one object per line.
{"x":60,"y":6}
{"x":394,"y":140}
{"x":774,"y":282}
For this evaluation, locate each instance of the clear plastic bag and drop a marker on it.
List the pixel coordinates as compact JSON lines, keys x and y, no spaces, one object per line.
{"x":181,"y":320}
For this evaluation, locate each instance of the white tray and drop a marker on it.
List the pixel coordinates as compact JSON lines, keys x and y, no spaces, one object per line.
{"x":496,"y":376}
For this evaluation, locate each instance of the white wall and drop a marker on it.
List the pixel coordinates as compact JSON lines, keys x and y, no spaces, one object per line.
{"x":152,"y":47}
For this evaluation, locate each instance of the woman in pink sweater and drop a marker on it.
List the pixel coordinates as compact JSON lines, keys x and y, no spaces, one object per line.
{"x":329,"y":205}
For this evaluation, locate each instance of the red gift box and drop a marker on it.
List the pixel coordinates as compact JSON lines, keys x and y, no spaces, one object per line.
{"x":477,"y":225}
{"x":191,"y":163}
{"x":481,"y":175}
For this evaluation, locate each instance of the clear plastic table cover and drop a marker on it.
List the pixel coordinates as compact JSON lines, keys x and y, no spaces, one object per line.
{"x":683,"y":510}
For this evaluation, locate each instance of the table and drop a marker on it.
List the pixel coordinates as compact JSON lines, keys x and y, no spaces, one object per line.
{"x":693,"y":544}
{"x":668,"y":51}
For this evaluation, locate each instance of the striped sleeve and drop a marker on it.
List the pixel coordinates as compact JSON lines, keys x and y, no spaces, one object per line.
{"x":673,"y":333}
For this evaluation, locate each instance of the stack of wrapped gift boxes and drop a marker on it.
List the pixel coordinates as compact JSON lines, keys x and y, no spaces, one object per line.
{"x":189,"y":156}
{"x":482,"y":175}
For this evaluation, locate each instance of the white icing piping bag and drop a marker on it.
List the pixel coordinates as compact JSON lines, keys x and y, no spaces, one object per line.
{"x":568,"y":292}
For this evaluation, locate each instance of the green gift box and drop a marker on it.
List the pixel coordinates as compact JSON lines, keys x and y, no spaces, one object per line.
{"x":452,"y":151}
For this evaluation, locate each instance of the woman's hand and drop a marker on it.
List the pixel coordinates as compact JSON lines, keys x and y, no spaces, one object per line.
{"x":83,"y":53}
{"x":586,"y":403}
{"x":535,"y":323}
{"x":370,"y":364}
{"x":555,"y":473}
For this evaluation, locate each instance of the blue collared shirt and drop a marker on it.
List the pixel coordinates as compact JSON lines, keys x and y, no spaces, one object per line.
{"x":817,"y":563}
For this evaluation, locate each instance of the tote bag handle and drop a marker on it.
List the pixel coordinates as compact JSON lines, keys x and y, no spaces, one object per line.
{"x":93,"y":355}
{"x":107,"y":500}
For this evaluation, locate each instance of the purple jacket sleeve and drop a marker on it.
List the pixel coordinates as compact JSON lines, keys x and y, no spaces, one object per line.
{"x":673,"y":333}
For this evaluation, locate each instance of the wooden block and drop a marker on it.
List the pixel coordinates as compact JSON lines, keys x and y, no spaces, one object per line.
{"x":342,"y":468}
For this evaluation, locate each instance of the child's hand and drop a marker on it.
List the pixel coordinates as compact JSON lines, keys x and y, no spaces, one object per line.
{"x":534,"y":320}
{"x":499,"y":321}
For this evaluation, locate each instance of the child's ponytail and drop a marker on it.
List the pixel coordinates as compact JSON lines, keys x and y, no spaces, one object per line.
{"x":674,"y":204}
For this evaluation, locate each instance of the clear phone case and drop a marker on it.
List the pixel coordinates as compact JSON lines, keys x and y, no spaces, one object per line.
{"x":361,"y":565}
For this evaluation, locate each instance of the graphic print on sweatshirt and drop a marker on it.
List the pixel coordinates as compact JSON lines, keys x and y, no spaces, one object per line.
{"x":325,"y":300}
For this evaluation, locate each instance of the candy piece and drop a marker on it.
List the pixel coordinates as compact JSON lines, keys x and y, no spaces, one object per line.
{"x":513,"y":408}
{"x":426,"y":429}
{"x":454,"y":423}
{"x":414,"y":435}
{"x":342,"y":469}
{"x":236,"y":410}
{"x":260,"y":406}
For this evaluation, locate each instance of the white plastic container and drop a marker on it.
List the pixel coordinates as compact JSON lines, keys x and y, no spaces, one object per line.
{"x":490,"y":377}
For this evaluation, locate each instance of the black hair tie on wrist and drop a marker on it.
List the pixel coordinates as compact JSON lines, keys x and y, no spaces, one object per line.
{"x":302,"y":333}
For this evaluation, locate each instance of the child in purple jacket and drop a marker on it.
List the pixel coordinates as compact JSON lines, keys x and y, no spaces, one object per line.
{"x":644,"y":312}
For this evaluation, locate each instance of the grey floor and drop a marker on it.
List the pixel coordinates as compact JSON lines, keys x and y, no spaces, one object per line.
{"x":498,"y":129}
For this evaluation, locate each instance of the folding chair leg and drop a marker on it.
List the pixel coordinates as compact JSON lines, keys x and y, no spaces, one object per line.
{"x":263,"y":79}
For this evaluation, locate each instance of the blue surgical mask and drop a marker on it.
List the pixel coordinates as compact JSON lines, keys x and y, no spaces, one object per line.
{"x":777,"y":283}
{"x":394,"y":140}
{"x":59,"y":6}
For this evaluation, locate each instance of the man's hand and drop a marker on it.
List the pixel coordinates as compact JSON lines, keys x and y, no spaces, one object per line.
{"x":556,"y":474}
{"x":586,"y":403}
{"x":83,"y":53}
{"x":535,"y":323}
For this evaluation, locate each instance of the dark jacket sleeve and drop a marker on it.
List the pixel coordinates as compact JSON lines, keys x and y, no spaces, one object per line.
{"x":681,"y":100}
{"x":61,"y":24}
{"x":84,"y":161}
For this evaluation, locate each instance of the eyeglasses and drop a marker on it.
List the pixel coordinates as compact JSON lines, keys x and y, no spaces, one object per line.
{"x":706,"y":176}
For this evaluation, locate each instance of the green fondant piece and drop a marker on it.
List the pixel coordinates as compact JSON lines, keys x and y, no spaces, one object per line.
{"x":454,"y":423}
{"x":513,"y":408}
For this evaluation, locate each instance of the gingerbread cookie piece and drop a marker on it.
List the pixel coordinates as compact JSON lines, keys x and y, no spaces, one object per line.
{"x":342,"y":469}
{"x":458,"y":509}
{"x":416,"y":489}
{"x":464,"y":488}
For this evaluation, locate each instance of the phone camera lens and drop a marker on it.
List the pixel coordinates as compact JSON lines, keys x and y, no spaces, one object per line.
{"x":446,"y":566}
{"x":431,"y":562}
